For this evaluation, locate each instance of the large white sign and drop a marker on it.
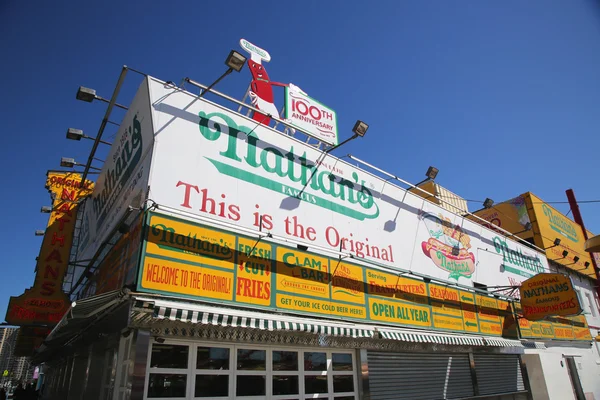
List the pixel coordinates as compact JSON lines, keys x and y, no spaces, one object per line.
{"x":311,"y":116}
{"x":123,"y":180}
{"x":215,"y":163}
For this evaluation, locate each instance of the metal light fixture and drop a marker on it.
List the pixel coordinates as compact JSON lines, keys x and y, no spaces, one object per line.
{"x":40,"y":232}
{"x":432,"y":172}
{"x":565,"y":253}
{"x":46,"y":209}
{"x":235,"y":61}
{"x":85,"y":94}
{"x":586,"y":264}
{"x":455,"y":251}
{"x":77,"y":134}
{"x":488,"y":203}
{"x":556,"y":243}
{"x":575,"y":259}
{"x":67,"y":162}
{"x":74,"y":134}
{"x":360,"y":128}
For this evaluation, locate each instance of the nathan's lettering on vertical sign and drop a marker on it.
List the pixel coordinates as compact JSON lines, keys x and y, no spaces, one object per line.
{"x":202,"y":262}
{"x":548,"y":295}
{"x":45,"y":302}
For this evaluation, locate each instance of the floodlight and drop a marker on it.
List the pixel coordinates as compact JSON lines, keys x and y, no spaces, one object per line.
{"x":74,"y":134}
{"x":235,"y":61}
{"x":432,"y":173}
{"x":455,"y":251}
{"x":575,"y":259}
{"x":40,"y":232}
{"x":46,"y":209}
{"x":85,"y":94}
{"x":565,"y":253}
{"x":67,"y":162}
{"x":557,"y":242}
{"x":586,"y":264}
{"x":360,"y":128}
{"x":488,"y":203}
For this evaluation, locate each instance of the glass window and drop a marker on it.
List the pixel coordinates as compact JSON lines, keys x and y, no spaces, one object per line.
{"x":315,"y":384}
{"x":251,"y":360}
{"x":315,"y":362}
{"x":341,"y":362}
{"x":343,"y":383}
{"x":211,"y":386}
{"x":251,"y":385}
{"x":592,"y":308}
{"x":169,"y":356}
{"x":285,"y":361}
{"x":285,"y":384}
{"x":166,"y":385}
{"x":212,"y":358}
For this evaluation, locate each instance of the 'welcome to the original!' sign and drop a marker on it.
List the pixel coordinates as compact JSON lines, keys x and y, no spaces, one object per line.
{"x":548,"y":295}
{"x":206,"y":263}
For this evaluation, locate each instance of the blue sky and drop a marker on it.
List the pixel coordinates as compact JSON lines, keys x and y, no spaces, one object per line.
{"x":503,"y":97}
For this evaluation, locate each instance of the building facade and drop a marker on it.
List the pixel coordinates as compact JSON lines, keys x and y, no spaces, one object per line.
{"x":228,"y":257}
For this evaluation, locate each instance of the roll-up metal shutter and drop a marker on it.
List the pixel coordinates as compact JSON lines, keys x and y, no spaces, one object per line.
{"x":416,"y":376}
{"x":498,"y":373}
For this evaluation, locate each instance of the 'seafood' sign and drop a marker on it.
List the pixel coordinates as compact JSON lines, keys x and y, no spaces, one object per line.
{"x":311,"y":116}
{"x":547,"y":295}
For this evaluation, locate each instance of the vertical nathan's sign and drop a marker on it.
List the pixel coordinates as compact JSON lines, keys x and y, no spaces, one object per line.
{"x":45,"y":303}
{"x":310,"y":116}
{"x":547,"y":295}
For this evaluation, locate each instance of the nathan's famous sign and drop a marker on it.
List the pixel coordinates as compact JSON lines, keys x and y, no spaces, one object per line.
{"x":45,"y":303}
{"x":547,"y":295}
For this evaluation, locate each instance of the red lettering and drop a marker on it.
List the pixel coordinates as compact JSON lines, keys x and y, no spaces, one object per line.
{"x":56,"y":238}
{"x":68,"y":195}
{"x":65,"y":208}
{"x":50,"y":271}
{"x":54,"y":256}
{"x":48,"y":288}
{"x":186,"y":196}
{"x":61,"y":222}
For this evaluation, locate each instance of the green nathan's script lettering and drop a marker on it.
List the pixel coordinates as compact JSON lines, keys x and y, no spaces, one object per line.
{"x":279,"y":163}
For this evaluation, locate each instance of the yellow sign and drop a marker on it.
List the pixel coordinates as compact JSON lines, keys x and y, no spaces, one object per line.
{"x":176,"y":277}
{"x":254,"y":272}
{"x":183,"y":241}
{"x":560,"y":328}
{"x":547,"y":295}
{"x":511,"y":215}
{"x":549,"y":224}
{"x":45,"y":303}
{"x":241,"y":270}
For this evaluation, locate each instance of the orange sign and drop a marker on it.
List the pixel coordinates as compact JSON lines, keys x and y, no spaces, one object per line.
{"x":548,"y":295}
{"x":45,"y":303}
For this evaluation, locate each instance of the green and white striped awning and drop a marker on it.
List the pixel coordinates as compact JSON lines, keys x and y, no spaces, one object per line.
{"x":226,"y":319}
{"x":197,"y":313}
{"x":418,"y":337}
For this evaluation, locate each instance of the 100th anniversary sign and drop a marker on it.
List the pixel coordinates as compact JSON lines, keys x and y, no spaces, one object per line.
{"x":547,"y":295}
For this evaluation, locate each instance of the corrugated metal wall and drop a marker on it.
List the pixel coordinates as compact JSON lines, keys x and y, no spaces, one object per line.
{"x":435,"y":376}
{"x":498,"y":373}
{"x":414,"y":376}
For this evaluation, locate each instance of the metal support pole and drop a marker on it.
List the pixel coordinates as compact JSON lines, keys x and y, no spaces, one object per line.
{"x":578,"y":219}
{"x":111,"y":105}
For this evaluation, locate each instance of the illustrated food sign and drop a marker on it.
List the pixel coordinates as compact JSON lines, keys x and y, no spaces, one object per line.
{"x":311,"y":116}
{"x":548,"y":295}
{"x":510,"y":215}
{"x":205,"y":263}
{"x":45,"y":303}
{"x":213,"y":163}
{"x":549,"y":224}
